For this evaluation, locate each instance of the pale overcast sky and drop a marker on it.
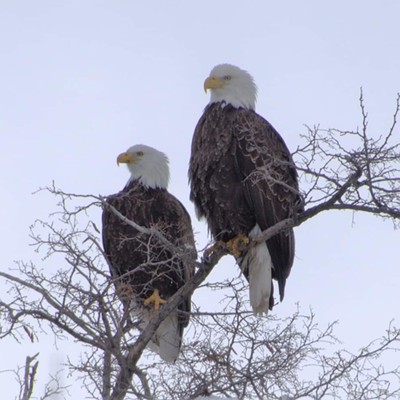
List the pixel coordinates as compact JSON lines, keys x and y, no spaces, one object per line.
{"x":82,"y":81}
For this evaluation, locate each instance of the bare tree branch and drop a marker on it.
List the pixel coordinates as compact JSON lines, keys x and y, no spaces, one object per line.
{"x":228,"y":351}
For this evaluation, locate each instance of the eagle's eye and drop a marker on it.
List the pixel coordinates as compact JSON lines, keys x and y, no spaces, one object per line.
{"x":140,"y":153}
{"x":227,"y":78}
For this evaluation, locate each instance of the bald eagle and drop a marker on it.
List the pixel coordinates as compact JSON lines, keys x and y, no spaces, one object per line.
{"x":243,"y":180}
{"x":146,"y":270}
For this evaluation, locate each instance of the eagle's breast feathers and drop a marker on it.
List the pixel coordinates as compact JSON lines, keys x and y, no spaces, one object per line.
{"x":243,"y":180}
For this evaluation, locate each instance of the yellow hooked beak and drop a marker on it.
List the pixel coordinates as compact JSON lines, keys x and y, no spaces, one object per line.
{"x":126,"y":158}
{"x":212,"y":82}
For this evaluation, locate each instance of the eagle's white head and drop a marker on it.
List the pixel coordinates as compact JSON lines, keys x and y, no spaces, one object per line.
{"x":231,"y":85}
{"x":147,"y":165}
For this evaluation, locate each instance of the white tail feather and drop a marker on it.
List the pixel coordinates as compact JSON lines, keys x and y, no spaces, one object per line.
{"x":166,"y":341}
{"x":259,"y":264}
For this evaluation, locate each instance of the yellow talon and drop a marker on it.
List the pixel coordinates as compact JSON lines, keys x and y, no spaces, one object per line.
{"x":237,"y":245}
{"x":155,"y":299}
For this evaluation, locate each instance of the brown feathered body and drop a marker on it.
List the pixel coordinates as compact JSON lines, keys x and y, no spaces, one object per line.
{"x":141,"y":262}
{"x":242,"y":176}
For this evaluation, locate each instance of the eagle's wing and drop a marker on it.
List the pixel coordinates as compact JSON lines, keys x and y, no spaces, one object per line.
{"x":126,"y":247}
{"x":180,"y":232}
{"x":270,"y":185}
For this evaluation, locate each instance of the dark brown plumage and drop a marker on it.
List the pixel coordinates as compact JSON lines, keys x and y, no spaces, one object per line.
{"x":242,"y":175}
{"x":141,"y":263}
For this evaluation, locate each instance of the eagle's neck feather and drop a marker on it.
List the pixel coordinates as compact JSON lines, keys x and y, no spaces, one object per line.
{"x":243,"y":96}
{"x":153,"y":174}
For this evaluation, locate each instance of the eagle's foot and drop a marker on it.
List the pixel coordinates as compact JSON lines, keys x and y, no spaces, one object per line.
{"x":155,"y":299}
{"x":125,"y":291}
{"x":237,"y":245}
